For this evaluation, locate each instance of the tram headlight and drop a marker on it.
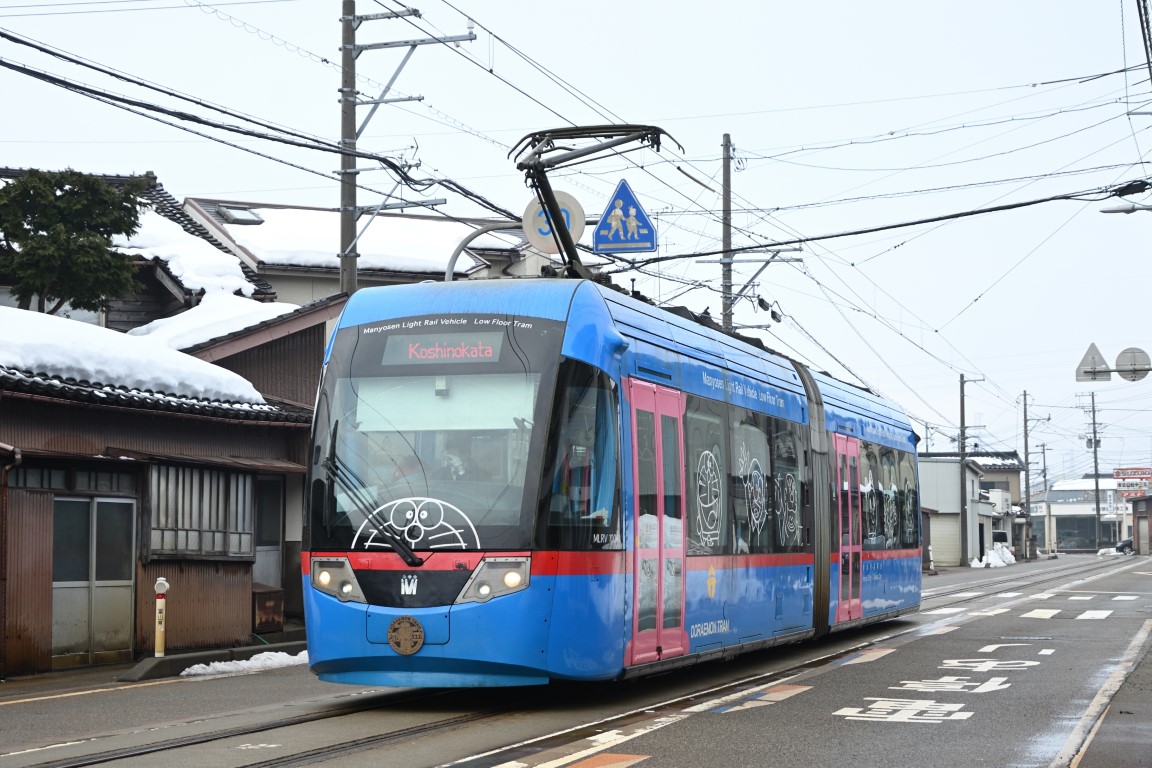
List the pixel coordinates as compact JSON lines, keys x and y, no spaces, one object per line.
{"x":334,"y":576}
{"x":495,"y":577}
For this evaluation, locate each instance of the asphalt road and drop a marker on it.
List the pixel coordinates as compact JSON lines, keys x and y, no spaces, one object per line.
{"x":1017,"y":666}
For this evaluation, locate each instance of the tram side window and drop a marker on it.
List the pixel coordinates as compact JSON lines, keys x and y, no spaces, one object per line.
{"x":889,"y":486}
{"x":871,"y":497}
{"x":750,"y":483}
{"x":786,"y":487}
{"x":704,"y":454}
{"x":909,"y":503}
{"x":579,"y":504}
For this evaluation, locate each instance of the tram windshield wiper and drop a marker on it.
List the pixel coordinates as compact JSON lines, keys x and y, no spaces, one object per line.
{"x":339,"y":474}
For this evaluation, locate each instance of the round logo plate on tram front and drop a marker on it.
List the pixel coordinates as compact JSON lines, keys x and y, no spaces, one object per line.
{"x":405,"y":635}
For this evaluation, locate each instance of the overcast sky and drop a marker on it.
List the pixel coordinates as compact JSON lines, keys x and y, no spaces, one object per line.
{"x":844,"y":116}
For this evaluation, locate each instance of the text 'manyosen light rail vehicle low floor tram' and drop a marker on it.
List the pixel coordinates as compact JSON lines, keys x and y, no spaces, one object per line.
{"x":517,"y":481}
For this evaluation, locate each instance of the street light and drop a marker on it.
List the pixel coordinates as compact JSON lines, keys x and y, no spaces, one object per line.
{"x":1127,"y":208}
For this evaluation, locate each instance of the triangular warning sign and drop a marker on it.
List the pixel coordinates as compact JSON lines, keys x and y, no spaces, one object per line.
{"x":624,"y":227}
{"x":1093,"y":367}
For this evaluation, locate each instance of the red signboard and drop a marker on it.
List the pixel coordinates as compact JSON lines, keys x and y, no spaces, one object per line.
{"x":1132,"y":472}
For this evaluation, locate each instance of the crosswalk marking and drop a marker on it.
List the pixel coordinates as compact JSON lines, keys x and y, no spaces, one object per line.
{"x":1094,"y":615}
{"x":772,"y":695}
{"x":867,"y":655}
{"x":1040,"y":613}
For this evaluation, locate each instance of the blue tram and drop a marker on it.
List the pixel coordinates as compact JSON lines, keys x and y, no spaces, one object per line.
{"x":518,"y":481}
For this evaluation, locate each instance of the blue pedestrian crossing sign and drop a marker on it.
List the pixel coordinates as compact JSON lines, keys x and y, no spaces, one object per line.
{"x":624,"y":227}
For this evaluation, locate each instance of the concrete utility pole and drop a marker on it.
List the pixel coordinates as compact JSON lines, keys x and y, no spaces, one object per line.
{"x":1027,"y":472}
{"x":963,"y":482}
{"x":349,"y":132}
{"x":1096,"y":467}
{"x":726,"y":242}
{"x":348,"y":256}
{"x":1049,"y":530}
{"x":964,"y":476}
{"x":1028,"y":464}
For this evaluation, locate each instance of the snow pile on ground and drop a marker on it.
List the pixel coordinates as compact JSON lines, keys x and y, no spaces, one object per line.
{"x":997,"y":557}
{"x":259,"y":662}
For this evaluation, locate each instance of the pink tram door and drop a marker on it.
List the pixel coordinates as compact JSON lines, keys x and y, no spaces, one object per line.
{"x":658,"y":504}
{"x":848,"y":501}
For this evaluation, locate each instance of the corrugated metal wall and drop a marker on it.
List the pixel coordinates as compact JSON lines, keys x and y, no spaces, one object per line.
{"x":209,"y":605}
{"x":264,"y":365}
{"x":27,"y":631}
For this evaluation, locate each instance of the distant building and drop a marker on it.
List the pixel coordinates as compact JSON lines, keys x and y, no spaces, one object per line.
{"x":1064,"y":514}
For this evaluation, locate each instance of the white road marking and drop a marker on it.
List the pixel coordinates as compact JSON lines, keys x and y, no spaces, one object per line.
{"x":1094,"y":615}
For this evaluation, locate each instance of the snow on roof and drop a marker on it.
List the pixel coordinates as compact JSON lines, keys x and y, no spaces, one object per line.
{"x":308,"y":238}
{"x":41,"y":343}
{"x":994,"y":463}
{"x":217,"y":314}
{"x":198,"y":264}
{"x":1084,"y":484}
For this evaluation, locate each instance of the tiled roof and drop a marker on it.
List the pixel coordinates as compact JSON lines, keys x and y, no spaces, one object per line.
{"x":319,"y":308}
{"x":17,"y":382}
{"x":990,"y":461}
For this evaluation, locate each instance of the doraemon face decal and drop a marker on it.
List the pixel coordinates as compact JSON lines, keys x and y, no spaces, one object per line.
{"x":787,"y":509}
{"x":425,"y":523}
{"x":755,"y":490}
{"x":708,"y":499}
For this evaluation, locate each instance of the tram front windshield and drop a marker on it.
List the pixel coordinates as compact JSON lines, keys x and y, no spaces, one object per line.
{"x":424,"y":432}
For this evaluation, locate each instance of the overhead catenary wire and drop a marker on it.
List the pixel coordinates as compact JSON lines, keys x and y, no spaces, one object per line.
{"x":694,"y":212}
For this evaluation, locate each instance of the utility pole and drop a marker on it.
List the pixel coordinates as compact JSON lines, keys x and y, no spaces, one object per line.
{"x":726,"y":242}
{"x":349,"y":132}
{"x":348,"y":256}
{"x":1096,"y":467}
{"x":964,"y":476}
{"x":963,"y":482}
{"x":1027,"y":472}
{"x":1028,"y":464}
{"x":1049,"y":531}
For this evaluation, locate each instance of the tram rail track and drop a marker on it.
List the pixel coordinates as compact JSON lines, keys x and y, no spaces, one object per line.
{"x":545,"y":697}
{"x":1018,"y":581}
{"x":344,"y":709}
{"x":480,"y":711}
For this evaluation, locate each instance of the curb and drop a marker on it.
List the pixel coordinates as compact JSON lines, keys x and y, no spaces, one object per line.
{"x":158,"y":667}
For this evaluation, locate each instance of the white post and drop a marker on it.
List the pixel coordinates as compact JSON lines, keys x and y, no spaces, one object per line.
{"x":161,"y":599}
